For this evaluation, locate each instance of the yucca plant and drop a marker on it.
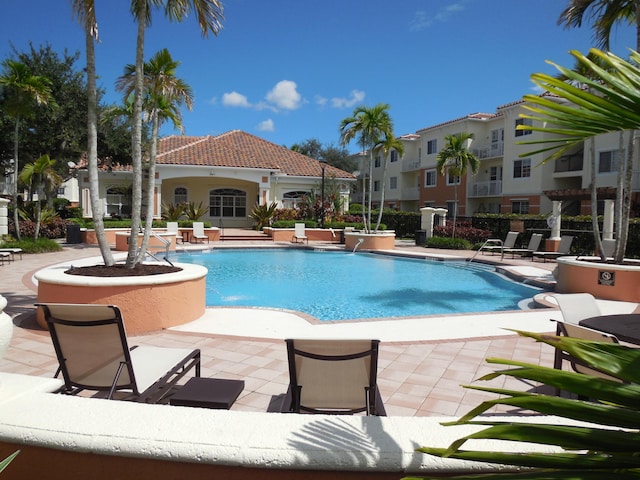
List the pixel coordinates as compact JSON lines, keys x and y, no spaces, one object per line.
{"x":173,"y":212}
{"x":263,"y":214}
{"x":607,"y":449}
{"x":195,"y":211}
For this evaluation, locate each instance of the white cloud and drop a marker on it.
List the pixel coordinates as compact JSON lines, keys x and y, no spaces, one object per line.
{"x":356,"y":96}
{"x":422,"y":19}
{"x":235,"y":99}
{"x":266,"y":126}
{"x":320,"y":100}
{"x":285,"y":95}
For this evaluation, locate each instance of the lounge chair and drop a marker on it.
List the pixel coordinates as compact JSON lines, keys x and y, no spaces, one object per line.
{"x":563,"y":249}
{"x":11,"y":253}
{"x":534,"y":244}
{"x":92,"y":350}
{"x":496,"y":245}
{"x":299,"y":234}
{"x":576,"y":331}
{"x":198,"y":232}
{"x":4,"y":257}
{"x":333,"y":377}
{"x":172,"y":227}
{"x":577,"y":306}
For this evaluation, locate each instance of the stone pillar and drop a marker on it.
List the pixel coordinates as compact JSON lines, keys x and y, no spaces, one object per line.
{"x":442,"y":216}
{"x":4,"y":217}
{"x":554,"y":222}
{"x":427,"y":220}
{"x":607,"y":225}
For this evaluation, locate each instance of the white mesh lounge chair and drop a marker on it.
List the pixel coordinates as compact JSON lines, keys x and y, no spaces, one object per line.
{"x":534,"y":244}
{"x":92,"y":350}
{"x":333,"y":377}
{"x":577,"y":306}
{"x":198,"y":232}
{"x":563,"y":249}
{"x":494,"y":245}
{"x":11,"y":253}
{"x":172,"y":227}
{"x":299,"y":234}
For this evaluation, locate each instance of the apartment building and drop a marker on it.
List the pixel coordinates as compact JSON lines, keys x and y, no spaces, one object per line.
{"x":507,"y":181}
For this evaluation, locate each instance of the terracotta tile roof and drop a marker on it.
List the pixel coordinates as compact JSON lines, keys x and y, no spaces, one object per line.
{"x":472,"y":116}
{"x":238,"y":149}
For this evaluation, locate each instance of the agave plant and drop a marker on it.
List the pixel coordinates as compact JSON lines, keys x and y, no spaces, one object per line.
{"x":607,"y":448}
{"x":195,"y":211}
{"x":173,"y":213}
{"x":263,"y":214}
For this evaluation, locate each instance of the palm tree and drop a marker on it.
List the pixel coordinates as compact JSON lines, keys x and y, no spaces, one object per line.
{"x":385,"y":147}
{"x":164,"y":94}
{"x":209,"y":14}
{"x":605,"y":14}
{"x":371,"y":124}
{"x":455,"y":159}
{"x":41,"y":176}
{"x":84,"y":11}
{"x":23,"y":91}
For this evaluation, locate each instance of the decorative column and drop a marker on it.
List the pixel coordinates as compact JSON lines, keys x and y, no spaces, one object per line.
{"x":427,"y":220}
{"x":442,"y":216}
{"x":554,"y":221}
{"x":4,"y":217}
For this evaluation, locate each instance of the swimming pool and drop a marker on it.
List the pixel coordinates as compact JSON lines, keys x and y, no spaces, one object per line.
{"x":340,"y":286}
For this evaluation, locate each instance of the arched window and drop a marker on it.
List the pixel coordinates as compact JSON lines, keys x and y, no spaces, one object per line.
{"x":180,"y":195}
{"x":293,"y":199}
{"x":227,"y":202}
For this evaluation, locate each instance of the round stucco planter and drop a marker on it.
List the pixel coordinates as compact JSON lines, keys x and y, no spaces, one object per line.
{"x":148,"y":303}
{"x":6,"y":327}
{"x":370,"y":241}
{"x":602,"y":280}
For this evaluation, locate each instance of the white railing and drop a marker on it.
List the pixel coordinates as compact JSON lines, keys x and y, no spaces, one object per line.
{"x":484,"y":189}
{"x":488,"y":151}
{"x":410,"y":193}
{"x":410,"y":165}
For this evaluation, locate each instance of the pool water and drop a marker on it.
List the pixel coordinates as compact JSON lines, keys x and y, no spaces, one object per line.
{"x":340,"y":286}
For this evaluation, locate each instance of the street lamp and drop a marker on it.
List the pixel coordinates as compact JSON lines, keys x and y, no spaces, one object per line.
{"x":322,"y":165}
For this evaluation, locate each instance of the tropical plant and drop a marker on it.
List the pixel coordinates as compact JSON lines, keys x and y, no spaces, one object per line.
{"x":605,"y":446}
{"x":263,"y":214}
{"x":455,"y":159}
{"x":195,"y":211}
{"x":84,"y":11}
{"x":4,"y":463}
{"x":42,"y":177}
{"x":173,"y":213}
{"x":23,"y":91}
{"x":371,"y":124}
{"x":384,"y":147}
{"x":575,"y":114}
{"x":209,"y":16}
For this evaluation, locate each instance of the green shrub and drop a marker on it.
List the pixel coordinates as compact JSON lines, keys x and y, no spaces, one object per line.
{"x":291,"y":223}
{"x":29,"y":245}
{"x":448,"y":242}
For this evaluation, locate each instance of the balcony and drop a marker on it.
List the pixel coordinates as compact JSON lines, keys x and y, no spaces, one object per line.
{"x":489,"y":188}
{"x":489,"y":151}
{"x":410,"y":193}
{"x":410,"y":165}
{"x":569,"y":163}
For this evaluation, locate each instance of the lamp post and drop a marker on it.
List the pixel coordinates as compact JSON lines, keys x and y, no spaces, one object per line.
{"x":322,"y":165}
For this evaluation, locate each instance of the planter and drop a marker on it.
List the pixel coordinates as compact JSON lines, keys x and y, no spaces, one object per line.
{"x":603,"y":280}
{"x":385,"y":240}
{"x":6,"y":327}
{"x":148,"y":303}
{"x":157,"y":243}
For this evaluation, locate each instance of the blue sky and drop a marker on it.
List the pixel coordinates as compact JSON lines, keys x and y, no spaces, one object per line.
{"x":290,"y":70}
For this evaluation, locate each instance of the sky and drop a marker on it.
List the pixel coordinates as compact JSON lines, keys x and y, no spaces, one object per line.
{"x":291,"y":70}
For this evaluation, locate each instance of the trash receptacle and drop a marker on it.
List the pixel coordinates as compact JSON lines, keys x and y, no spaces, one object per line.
{"x":421,"y":238}
{"x":73,"y":234}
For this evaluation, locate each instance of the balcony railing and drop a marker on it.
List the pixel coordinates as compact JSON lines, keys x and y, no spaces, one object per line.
{"x":410,"y":165}
{"x":489,"y":151}
{"x":485,"y":189}
{"x":569,"y":163}
{"x":410,"y":193}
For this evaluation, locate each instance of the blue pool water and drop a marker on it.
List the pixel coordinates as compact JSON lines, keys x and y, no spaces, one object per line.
{"x":340,"y":286}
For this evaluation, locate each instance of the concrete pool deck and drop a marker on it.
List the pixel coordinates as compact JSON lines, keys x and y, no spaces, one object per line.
{"x":421,"y":367}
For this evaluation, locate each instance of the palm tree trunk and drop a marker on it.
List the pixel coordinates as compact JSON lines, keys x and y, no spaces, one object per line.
{"x":92,"y":147}
{"x":594,"y":200}
{"x":16,"y":219}
{"x":148,"y":224}
{"x":367,"y":225}
{"x":136,"y":139}
{"x":384,"y":183}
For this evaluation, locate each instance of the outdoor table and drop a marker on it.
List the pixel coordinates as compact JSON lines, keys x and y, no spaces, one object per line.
{"x":624,"y":326}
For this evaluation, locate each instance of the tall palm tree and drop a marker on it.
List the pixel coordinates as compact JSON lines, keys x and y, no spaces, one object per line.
{"x":23,"y":92}
{"x":371,"y":124}
{"x":455,"y":159}
{"x":40,"y":176}
{"x":209,"y":14}
{"x":84,"y":11}
{"x":384,"y":147}
{"x":163,"y":96}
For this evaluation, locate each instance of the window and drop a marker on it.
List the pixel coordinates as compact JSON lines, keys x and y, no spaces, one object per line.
{"x":394,"y":156}
{"x":393,"y":183}
{"x":520,"y":206}
{"x":452,"y":209}
{"x":429,"y":204}
{"x":526,"y":122}
{"x":522,"y":168}
{"x":376,"y":185}
{"x":377,"y":162}
{"x":432,"y":147}
{"x":609,"y":161}
{"x":453,"y":179}
{"x":430,"y":178}
{"x":180,"y":195}
{"x":293,"y":199}
{"x":119,"y":201}
{"x":495,"y":173}
{"x":61,"y":190}
{"x":227,"y":202}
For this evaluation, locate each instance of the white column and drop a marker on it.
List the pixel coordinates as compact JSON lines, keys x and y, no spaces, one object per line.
{"x":442,"y":216}
{"x":4,"y":217}
{"x":607,"y":225}
{"x":557,"y":220}
{"x":427,"y":220}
